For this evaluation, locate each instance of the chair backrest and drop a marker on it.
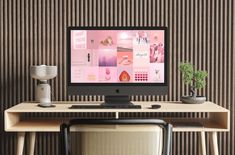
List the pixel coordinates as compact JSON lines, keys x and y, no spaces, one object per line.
{"x":67,"y":128}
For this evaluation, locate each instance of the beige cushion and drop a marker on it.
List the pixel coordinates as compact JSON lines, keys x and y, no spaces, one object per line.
{"x":117,"y":140}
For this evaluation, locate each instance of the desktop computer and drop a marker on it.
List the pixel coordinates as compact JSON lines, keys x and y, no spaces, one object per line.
{"x":117,"y":62}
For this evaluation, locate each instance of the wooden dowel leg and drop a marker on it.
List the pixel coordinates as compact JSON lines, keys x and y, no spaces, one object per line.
{"x":214,"y":143}
{"x":20,"y":142}
{"x":202,"y":138}
{"x":32,"y":137}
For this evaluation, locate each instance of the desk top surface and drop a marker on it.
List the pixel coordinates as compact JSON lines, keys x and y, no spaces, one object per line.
{"x":167,"y":106}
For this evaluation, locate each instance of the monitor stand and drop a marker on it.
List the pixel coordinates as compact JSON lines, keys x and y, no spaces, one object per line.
{"x":119,"y":101}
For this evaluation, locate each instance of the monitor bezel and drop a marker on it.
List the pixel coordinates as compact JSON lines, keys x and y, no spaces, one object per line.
{"x":72,"y":87}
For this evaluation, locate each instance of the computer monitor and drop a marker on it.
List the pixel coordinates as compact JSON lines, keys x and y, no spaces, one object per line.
{"x":117,"y":61}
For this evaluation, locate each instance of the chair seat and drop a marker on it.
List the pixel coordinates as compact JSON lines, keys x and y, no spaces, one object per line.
{"x":116,"y":137}
{"x":117,"y":143}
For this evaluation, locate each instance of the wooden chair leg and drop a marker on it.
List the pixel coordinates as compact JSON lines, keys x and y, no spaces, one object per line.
{"x":32,"y":137}
{"x":202,"y":138}
{"x":20,"y":142}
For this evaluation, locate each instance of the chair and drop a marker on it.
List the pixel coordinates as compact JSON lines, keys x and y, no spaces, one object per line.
{"x":65,"y":129}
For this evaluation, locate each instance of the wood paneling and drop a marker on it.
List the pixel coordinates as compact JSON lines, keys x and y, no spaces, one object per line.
{"x":33,"y":32}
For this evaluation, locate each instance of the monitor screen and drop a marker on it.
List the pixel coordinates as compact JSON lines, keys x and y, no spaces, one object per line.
{"x":117,"y":56}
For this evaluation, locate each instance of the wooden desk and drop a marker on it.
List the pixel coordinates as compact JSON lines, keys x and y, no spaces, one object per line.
{"x":216,"y":119}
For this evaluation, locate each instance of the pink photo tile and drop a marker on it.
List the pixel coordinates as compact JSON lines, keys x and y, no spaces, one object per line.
{"x":156,"y":36}
{"x":125,"y":39}
{"x":157,"y":47}
{"x":77,"y":74}
{"x":141,"y":74}
{"x":84,"y":74}
{"x":78,"y":39}
{"x":106,"y":39}
{"x":157,"y":72}
{"x":124,"y":74}
{"x":157,"y":53}
{"x":107,"y":74}
{"x":92,"y":74}
{"x":107,"y":57}
{"x":124,"y":58}
{"x":84,"y":57}
{"x":141,"y":37}
{"x":141,"y":55}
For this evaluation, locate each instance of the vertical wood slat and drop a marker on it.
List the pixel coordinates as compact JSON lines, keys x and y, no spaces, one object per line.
{"x":1,"y":72}
{"x":34,"y":32}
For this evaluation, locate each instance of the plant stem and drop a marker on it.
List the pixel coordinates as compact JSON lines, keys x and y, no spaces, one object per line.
{"x":193,"y":91}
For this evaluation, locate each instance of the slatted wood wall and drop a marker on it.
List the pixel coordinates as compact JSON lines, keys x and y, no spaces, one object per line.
{"x":34,"y":32}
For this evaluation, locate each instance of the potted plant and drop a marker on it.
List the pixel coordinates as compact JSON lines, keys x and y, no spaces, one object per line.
{"x":195,"y":79}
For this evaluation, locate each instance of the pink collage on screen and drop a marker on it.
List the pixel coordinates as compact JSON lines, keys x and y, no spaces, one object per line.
{"x":117,"y":56}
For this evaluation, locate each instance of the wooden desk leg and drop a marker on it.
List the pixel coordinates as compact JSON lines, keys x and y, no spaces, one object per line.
{"x":202,"y":138}
{"x":214,"y":143}
{"x":20,"y":142}
{"x":32,"y":136}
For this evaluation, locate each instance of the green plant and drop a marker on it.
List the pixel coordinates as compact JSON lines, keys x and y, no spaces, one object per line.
{"x":195,"y":78}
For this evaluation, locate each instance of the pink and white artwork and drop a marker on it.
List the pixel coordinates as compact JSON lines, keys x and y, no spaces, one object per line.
{"x":157,"y":48}
{"x":107,"y":57}
{"x":156,"y":72}
{"x":141,"y":55}
{"x":157,"y":53}
{"x":117,"y":56}
{"x":125,"y":40}
{"x":125,"y":74}
{"x":107,"y":74}
{"x":141,"y":75}
{"x":124,"y":58}
{"x":78,"y":40}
